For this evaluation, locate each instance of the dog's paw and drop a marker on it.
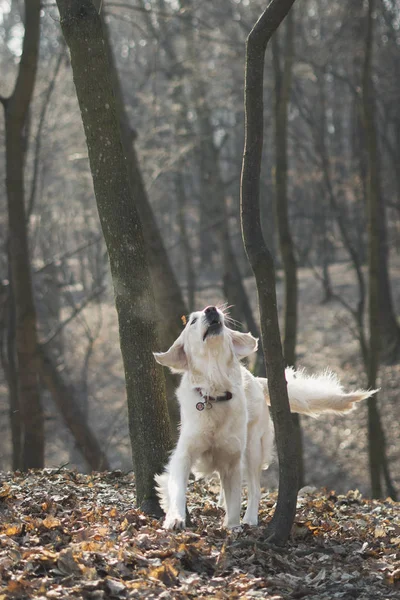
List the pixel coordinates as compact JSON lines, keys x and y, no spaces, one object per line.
{"x":234,"y":530}
{"x":250,"y":520}
{"x":174,"y":522}
{"x":232,"y":525}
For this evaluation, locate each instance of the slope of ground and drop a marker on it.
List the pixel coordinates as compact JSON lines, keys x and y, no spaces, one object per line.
{"x":66,"y":535}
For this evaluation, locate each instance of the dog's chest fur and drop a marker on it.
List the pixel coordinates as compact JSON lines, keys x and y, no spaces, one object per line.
{"x":218,"y":434}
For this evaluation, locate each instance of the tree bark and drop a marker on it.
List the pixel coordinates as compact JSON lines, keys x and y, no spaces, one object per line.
{"x":389,"y":351}
{"x":170,"y":304}
{"x":283,"y":81}
{"x":262,"y":264}
{"x":16,"y":119}
{"x":376,"y":439}
{"x":148,"y":417}
{"x":8,"y":363}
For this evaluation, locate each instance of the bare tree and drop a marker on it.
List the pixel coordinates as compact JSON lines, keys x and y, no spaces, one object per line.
{"x":262,"y":264}
{"x":282,"y":64}
{"x":122,"y":230}
{"x":16,"y":110}
{"x":376,"y":236}
{"x":170,"y":304}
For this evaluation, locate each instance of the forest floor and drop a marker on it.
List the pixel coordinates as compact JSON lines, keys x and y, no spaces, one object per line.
{"x":67,"y":535}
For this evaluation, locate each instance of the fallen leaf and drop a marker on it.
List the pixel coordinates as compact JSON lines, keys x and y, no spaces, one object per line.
{"x":379,"y":532}
{"x":5,"y":491}
{"x":166,"y":573}
{"x":51,"y":522}
{"x":13,"y":530}
{"x":67,"y":564}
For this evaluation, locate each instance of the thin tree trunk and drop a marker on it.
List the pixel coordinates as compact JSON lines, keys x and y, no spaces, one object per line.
{"x":16,"y":119}
{"x":376,"y":439}
{"x":8,"y":363}
{"x":148,"y":417}
{"x":283,"y":81}
{"x":389,"y":328}
{"x":262,"y":264}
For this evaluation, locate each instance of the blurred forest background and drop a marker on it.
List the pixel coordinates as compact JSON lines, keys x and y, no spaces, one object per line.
{"x":179,"y":81}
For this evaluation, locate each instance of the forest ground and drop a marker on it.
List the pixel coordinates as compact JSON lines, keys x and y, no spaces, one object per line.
{"x":68,"y":535}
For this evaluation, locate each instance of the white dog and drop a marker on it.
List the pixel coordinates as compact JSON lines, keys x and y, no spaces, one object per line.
{"x":225,"y":423}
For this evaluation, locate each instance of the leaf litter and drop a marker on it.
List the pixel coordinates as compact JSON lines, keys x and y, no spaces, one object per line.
{"x":68,"y":535}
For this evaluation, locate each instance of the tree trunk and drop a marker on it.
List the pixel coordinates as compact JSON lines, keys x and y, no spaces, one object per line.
{"x":148,"y":417}
{"x":283,"y":80}
{"x":8,"y":363}
{"x":376,"y":439}
{"x":16,"y":117}
{"x":170,"y":305}
{"x":262,"y":264}
{"x":388,"y":326}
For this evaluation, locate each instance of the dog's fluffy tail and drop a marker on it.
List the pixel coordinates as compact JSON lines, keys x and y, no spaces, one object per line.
{"x":315,"y":394}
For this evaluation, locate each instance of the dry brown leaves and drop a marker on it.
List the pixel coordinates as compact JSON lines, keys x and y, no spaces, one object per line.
{"x":67,"y":535}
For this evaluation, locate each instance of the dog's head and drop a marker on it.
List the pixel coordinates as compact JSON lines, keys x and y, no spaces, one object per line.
{"x":205,"y":337}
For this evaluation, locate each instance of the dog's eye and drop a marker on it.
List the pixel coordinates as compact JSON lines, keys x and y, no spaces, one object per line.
{"x":193,"y":321}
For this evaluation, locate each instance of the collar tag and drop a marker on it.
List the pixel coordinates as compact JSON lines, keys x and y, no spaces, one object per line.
{"x":207,"y":401}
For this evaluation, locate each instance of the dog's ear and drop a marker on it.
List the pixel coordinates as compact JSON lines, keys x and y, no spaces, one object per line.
{"x":243,"y":344}
{"x":174,"y":358}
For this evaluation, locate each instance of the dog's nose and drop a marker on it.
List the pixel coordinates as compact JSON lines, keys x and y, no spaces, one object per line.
{"x":211,"y":314}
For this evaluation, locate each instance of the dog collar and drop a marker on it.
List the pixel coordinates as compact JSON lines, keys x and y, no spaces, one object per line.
{"x":206,"y":400}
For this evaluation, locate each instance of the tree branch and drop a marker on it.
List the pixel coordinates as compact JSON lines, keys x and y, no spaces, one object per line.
{"x":78,"y":309}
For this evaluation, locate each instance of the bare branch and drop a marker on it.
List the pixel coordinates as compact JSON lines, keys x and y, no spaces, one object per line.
{"x":60,"y":257}
{"x":42,"y":120}
{"x":78,"y":309}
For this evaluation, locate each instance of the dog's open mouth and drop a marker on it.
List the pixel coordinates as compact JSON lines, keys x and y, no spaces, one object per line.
{"x":214,"y":328}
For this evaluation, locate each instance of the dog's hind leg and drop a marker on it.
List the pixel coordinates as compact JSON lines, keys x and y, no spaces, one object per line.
{"x":231,"y":481}
{"x":179,"y":470}
{"x":221,"y":498}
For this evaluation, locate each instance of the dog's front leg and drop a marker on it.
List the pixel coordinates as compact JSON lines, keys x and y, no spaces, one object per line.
{"x":179,"y":470}
{"x":231,"y":481}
